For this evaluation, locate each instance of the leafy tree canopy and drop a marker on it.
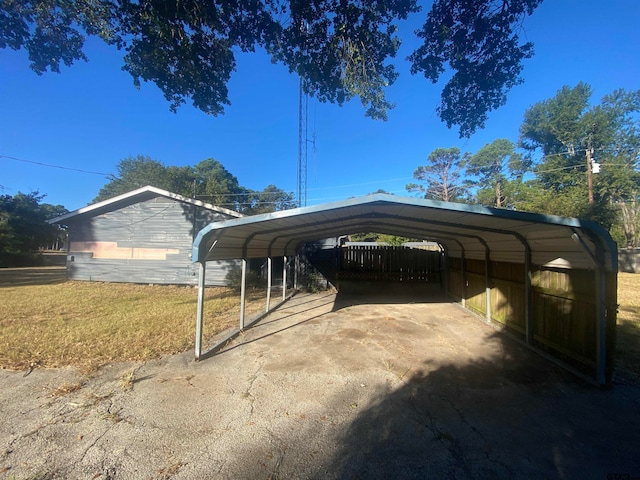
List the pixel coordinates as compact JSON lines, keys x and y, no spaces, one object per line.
{"x":568,"y":130}
{"x":559,"y":128}
{"x":340,"y":48}
{"x":478,"y":39}
{"x":562,"y":137}
{"x":24,"y":227}
{"x":382,"y":238}
{"x":270,"y":199}
{"x":495,"y":165}
{"x":441,"y":177}
{"x":208,"y":181}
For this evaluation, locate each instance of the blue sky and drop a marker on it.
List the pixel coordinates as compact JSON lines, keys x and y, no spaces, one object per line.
{"x":90,"y":116}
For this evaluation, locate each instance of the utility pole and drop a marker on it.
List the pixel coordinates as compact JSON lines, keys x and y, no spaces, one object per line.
{"x":590,"y":174}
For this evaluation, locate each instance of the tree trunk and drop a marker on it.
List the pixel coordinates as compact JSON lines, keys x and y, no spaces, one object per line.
{"x":629,"y":211}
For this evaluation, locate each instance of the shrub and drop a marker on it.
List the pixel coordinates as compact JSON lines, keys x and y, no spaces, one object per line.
{"x":233,"y":279}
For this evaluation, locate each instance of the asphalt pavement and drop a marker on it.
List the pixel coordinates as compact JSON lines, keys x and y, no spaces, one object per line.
{"x":326,"y":387}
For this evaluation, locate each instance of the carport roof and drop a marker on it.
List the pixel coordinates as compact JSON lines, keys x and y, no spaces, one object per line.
{"x":464,"y":230}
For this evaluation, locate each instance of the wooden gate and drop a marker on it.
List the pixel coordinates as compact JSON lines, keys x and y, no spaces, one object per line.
{"x":387,"y":263}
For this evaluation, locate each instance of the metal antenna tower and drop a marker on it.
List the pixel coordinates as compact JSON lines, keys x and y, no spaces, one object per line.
{"x":302,"y":146}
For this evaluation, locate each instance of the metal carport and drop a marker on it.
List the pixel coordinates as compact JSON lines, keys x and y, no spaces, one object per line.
{"x":535,"y":245}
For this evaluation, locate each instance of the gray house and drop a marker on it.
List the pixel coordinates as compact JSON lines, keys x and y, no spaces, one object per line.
{"x":144,"y":236}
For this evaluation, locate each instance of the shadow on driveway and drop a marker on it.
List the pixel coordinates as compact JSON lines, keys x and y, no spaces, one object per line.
{"x":511,"y":416}
{"x":475,"y":404}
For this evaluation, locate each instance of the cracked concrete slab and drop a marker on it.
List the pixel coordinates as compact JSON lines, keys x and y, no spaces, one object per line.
{"x":328,"y":386}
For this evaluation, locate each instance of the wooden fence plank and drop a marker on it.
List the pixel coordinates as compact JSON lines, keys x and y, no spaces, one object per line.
{"x":389,"y":263}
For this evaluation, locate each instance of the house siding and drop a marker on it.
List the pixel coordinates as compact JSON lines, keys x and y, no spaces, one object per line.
{"x":145,"y":242}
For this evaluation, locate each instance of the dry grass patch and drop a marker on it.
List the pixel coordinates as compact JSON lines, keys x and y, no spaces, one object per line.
{"x":628,"y":339}
{"x":66,"y":389}
{"x":629,"y":298}
{"x":90,"y":324}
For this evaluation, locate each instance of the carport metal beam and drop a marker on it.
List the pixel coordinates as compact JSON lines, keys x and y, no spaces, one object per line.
{"x":408,"y":231}
{"x":269,"y":274}
{"x":243,"y":292}
{"x":202,"y":267}
{"x":444,"y":234}
{"x":284,"y":278}
{"x":199,"y":355}
{"x":418,"y":229}
{"x":408,"y":222}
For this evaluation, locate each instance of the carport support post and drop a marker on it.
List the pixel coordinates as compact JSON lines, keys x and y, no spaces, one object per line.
{"x":601,"y":324}
{"x":444,"y":269}
{"x":528,"y":297}
{"x":295,"y":272}
{"x":601,"y":306}
{"x":200,"y":311}
{"x":487,"y":277}
{"x":243,"y":291}
{"x":463,"y":272}
{"x":284,"y":278}
{"x":269,"y":266}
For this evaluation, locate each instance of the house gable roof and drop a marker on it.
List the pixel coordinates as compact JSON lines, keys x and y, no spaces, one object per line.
{"x":135,"y":196}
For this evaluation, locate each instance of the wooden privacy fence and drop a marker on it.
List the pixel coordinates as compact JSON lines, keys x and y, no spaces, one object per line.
{"x":629,"y":260}
{"x":563,"y":305}
{"x":400,"y":264}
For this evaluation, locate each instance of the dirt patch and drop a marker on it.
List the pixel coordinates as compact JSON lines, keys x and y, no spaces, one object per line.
{"x":325,"y":388}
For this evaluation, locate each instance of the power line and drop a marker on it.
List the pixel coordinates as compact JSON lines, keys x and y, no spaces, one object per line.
{"x":343,"y":197}
{"x":570,"y":167}
{"x":333,"y":187}
{"x":242,"y":194}
{"x":615,"y":151}
{"x":363,"y":183}
{"x":56,"y":166}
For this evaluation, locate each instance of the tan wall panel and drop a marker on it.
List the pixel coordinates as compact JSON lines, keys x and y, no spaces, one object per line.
{"x":110,"y":250}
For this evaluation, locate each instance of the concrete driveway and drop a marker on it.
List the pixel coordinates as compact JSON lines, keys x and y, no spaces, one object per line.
{"x":344,"y":387}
